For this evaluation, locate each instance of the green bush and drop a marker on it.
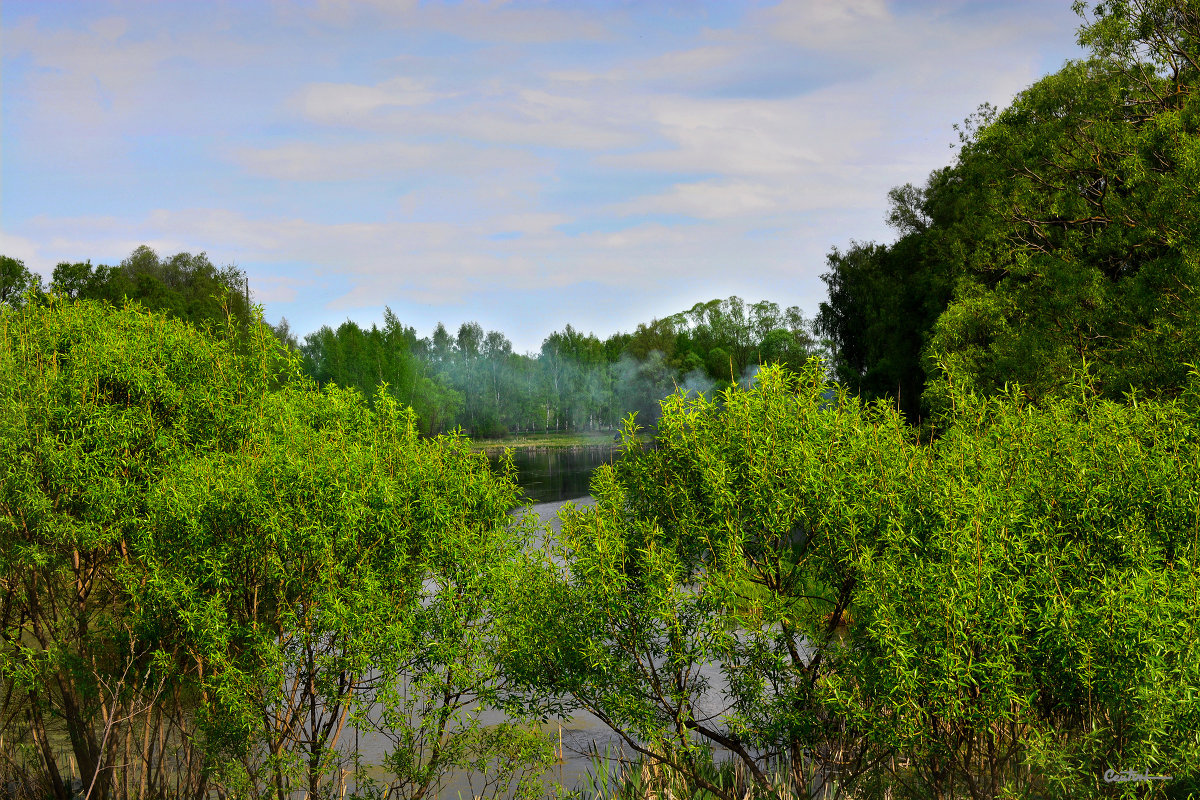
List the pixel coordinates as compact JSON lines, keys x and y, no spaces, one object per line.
{"x":1020,"y":593}
{"x":210,"y":571}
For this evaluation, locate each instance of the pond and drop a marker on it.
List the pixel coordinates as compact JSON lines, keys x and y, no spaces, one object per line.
{"x":553,"y":474}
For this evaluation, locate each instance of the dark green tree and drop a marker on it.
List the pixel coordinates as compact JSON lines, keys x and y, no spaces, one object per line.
{"x":1091,"y":256}
{"x":186,"y":286}
{"x":74,"y":280}
{"x":15,"y":280}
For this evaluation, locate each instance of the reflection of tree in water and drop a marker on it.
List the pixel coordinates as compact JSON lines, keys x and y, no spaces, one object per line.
{"x":550,"y":474}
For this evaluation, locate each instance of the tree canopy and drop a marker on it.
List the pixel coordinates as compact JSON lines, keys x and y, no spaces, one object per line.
{"x":185,"y":286}
{"x":15,"y":280}
{"x":1062,"y":238}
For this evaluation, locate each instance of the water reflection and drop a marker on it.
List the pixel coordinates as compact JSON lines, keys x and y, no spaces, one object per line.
{"x":552,"y":474}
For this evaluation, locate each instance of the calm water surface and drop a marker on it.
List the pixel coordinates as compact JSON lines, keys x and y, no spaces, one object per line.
{"x":552,"y":474}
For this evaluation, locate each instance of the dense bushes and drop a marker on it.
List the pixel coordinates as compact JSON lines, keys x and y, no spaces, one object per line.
{"x":1022,"y":593}
{"x":209,"y":569}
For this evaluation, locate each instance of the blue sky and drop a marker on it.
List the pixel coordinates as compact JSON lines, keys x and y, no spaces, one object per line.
{"x":522,"y":164}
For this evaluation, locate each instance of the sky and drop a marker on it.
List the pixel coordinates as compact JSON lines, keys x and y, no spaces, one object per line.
{"x":524,"y":165}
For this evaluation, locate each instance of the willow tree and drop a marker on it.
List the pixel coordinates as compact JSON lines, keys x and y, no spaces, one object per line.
{"x":1006,"y":612}
{"x":210,"y":570}
{"x":1092,"y":216}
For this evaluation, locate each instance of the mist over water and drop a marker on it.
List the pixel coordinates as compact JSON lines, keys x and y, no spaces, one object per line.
{"x":473,"y":380}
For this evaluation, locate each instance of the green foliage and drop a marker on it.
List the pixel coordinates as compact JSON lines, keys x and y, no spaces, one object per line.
{"x":1062,"y":235}
{"x":16,"y":280}
{"x":575,"y":382}
{"x":884,"y":300}
{"x":185,"y":286}
{"x":209,"y":569}
{"x":1006,"y":612}
{"x":1093,"y":258}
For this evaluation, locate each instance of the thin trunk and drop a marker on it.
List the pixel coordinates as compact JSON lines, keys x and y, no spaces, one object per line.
{"x":162,"y":753}
{"x":314,"y":745}
{"x":37,"y":728}
{"x":126,"y":759}
{"x":145,"y":777}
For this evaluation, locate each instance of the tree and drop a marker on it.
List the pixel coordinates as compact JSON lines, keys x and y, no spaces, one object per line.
{"x":497,"y":350}
{"x":884,"y":300}
{"x":283,"y":332}
{"x":209,"y":568}
{"x":73,"y":281}
{"x":1095,"y":214}
{"x":15,"y":280}
{"x":1005,"y":612}
{"x":1062,"y":236}
{"x":441,"y":345}
{"x":186,"y":286}
{"x":882,"y":303}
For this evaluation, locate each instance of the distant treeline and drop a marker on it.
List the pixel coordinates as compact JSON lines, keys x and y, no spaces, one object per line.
{"x":472,"y":379}
{"x":188,"y":287}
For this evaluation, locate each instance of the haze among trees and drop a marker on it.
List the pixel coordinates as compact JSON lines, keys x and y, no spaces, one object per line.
{"x":469,"y":379}
{"x":474,"y":380}
{"x":958,"y":559}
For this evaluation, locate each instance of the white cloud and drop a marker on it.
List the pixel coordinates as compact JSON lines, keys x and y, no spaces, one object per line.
{"x":343,"y":161}
{"x":472,"y":19}
{"x":831,"y":24}
{"x":709,"y":200}
{"x":333,"y":102}
{"x":278,"y":289}
{"x":681,"y":63}
{"x":403,"y":260}
{"x":504,"y":114}
{"x":302,"y":161}
{"x":88,"y":75}
{"x":25,"y":250}
{"x":731,"y":137}
{"x":650,"y":235}
{"x":531,"y":124}
{"x":528,"y":223}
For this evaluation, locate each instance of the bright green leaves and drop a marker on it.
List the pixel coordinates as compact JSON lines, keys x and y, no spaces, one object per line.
{"x":197,"y":546}
{"x":1019,"y":602}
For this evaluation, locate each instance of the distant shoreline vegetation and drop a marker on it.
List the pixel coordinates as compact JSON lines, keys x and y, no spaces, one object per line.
{"x":472,"y":379}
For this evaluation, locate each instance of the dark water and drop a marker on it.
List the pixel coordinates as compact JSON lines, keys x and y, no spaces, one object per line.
{"x":551,"y":474}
